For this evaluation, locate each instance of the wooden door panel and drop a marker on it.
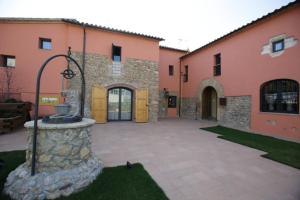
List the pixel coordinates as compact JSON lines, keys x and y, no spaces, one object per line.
{"x":141,"y":102}
{"x":99,"y":104}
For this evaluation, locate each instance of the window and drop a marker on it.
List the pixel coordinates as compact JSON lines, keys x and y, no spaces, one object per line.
{"x":171,"y":70}
{"x":217,"y":67}
{"x":222,"y":101}
{"x":8,"y":61}
{"x":45,"y":44}
{"x":278,"y":45}
{"x":280,"y":96}
{"x":172,"y":102}
{"x":186,"y":74}
{"x":116,"y":53}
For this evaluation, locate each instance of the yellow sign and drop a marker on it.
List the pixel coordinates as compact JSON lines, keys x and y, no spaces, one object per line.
{"x":46,"y":100}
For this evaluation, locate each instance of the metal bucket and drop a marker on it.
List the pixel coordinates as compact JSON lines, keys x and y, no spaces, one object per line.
{"x":62,"y":109}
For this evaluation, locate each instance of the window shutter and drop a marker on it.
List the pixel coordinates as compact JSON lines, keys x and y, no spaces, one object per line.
{"x":141,"y":105}
{"x":1,"y":61}
{"x":99,"y":104}
{"x":217,"y":70}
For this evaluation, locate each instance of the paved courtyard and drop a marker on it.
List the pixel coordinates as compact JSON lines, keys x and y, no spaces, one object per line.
{"x":188,"y":163}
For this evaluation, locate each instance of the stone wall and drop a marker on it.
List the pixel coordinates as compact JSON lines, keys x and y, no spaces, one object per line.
{"x":163,"y":103}
{"x":211,"y":82}
{"x":60,"y":147}
{"x":188,"y":108}
{"x":237,"y":112}
{"x":132,"y":73}
{"x":64,"y":162}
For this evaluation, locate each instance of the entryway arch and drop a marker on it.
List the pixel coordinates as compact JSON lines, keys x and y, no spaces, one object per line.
{"x":218,"y":88}
{"x":209,"y":103}
{"x":119,"y":104}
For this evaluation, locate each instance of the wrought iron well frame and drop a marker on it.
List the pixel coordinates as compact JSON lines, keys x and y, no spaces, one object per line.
{"x":37,"y":96}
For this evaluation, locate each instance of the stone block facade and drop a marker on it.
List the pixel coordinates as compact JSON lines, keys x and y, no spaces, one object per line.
{"x":237,"y":112}
{"x":132,"y":73}
{"x":189,"y":108}
{"x":60,"y":148}
{"x":65,"y":163}
{"x":163,"y":103}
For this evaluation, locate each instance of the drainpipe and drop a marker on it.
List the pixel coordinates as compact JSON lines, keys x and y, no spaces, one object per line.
{"x":179,"y":107}
{"x":83,"y":56}
{"x":83,"y":47}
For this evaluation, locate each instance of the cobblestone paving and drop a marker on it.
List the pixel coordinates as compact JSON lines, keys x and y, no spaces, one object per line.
{"x":188,"y":163}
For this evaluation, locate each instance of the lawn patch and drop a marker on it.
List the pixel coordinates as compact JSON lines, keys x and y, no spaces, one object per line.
{"x":114,"y":183}
{"x":11,"y":160}
{"x":279,"y":150}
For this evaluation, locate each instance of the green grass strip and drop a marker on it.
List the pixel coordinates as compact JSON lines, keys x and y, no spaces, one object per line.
{"x":279,"y":150}
{"x":11,"y":160}
{"x":114,"y":183}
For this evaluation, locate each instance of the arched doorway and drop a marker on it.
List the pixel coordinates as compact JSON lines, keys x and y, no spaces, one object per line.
{"x":209,"y":103}
{"x":119,"y":104}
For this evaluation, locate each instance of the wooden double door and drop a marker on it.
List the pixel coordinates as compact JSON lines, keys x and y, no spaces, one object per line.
{"x":119,"y":104}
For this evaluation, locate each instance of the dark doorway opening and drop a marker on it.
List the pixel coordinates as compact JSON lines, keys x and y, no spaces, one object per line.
{"x":119,"y":104}
{"x":209,"y":103}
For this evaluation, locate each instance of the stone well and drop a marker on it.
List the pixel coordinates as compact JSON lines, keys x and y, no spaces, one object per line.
{"x":64,"y":162}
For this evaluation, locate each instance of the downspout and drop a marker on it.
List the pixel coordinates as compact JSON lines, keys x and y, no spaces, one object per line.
{"x":179,"y":107}
{"x":83,"y":47}
{"x":83,"y":56}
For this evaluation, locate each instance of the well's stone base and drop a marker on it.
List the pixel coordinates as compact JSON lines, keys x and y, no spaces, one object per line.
{"x":20,"y":185}
{"x":60,"y":146}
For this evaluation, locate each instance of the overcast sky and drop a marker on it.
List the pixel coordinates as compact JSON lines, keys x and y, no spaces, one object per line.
{"x":182,"y":23}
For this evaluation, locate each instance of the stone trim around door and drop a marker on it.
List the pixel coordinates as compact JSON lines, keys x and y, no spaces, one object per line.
{"x":133,"y":74}
{"x":211,"y":82}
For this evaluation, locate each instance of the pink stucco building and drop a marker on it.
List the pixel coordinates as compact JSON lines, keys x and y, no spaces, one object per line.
{"x":28,"y":42}
{"x":169,"y":81}
{"x":247,"y":79}
{"x":250,"y":77}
